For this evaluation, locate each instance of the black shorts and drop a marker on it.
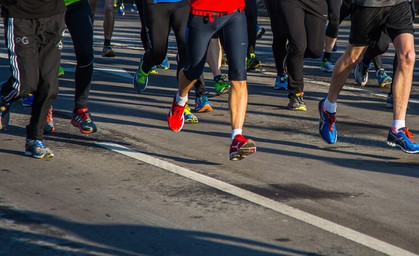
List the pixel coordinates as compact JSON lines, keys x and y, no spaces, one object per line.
{"x":369,"y":22}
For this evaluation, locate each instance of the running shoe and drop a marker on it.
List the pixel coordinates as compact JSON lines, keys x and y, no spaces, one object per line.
{"x":327,"y":125}
{"x":202,"y":104}
{"x":27,"y":101}
{"x":134,"y":8}
{"x":108,"y":51}
{"x":297,"y":102}
{"x":153,"y":71}
{"x":252,"y":62}
{"x":220,"y":85}
{"x":382,"y":78}
{"x":140,"y":79}
{"x":37,"y":149}
{"x":60,"y":71}
{"x":175,"y":118}
{"x":81,"y":119}
{"x":281,"y":82}
{"x":403,"y":139}
{"x":165,"y":64}
{"x":361,"y":74}
{"x":259,"y":31}
{"x":224,"y":61}
{"x":241,"y":147}
{"x":4,"y":112}
{"x":121,"y":9}
{"x":49,"y":127}
{"x":188,"y":116}
{"x":327,"y":66}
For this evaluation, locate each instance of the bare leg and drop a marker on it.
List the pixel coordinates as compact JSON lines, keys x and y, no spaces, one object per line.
{"x":214,"y":56}
{"x":108,"y":23}
{"x":343,"y":68}
{"x":93,"y":5}
{"x":184,"y":84}
{"x":238,"y":103}
{"x":329,"y":43}
{"x":404,"y":44}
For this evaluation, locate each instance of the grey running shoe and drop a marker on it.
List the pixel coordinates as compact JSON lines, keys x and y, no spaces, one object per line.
{"x":297,"y":102}
{"x":37,"y":149}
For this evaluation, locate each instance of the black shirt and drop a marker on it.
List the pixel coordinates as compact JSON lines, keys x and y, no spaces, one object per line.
{"x":31,"y":9}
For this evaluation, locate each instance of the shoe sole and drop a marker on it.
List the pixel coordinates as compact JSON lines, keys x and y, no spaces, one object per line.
{"x":224,"y":91}
{"x":254,"y":67}
{"x":45,"y":156}
{"x":246,"y":150}
{"x":326,"y":70}
{"x":109,"y":54}
{"x":204,"y":109}
{"x":386,"y":83}
{"x":75,"y":124}
{"x":281,"y":88}
{"x":301,"y":108}
{"x":393,"y":144}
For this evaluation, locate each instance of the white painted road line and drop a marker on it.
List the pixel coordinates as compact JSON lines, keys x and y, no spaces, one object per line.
{"x":308,"y":218}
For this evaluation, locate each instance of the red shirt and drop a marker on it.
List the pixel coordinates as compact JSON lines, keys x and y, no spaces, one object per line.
{"x":217,"y":5}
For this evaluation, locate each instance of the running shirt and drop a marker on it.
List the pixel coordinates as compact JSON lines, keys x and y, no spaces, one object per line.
{"x":31,"y":9}
{"x":377,"y":3}
{"x":217,"y":5}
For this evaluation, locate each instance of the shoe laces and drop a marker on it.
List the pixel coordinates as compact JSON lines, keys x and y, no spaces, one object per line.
{"x":409,"y":134}
{"x":332,"y":120}
{"x":83,"y":114}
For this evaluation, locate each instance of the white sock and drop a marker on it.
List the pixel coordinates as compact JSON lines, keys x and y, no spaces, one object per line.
{"x":397,"y":124}
{"x":181,"y":100}
{"x":235,"y":132}
{"x":329,"y":107}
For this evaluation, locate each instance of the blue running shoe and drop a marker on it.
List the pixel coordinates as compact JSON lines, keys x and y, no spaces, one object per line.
{"x":165,"y":64}
{"x":327,"y":125}
{"x":140,"y":79}
{"x":382,"y":78}
{"x":403,"y":139}
{"x":281,"y":82}
{"x":154,"y":71}
{"x":134,"y":8}
{"x":37,"y":149}
{"x":260,"y":31}
{"x":202,"y":104}
{"x":4,"y":111}
{"x":27,"y":101}
{"x":121,"y":9}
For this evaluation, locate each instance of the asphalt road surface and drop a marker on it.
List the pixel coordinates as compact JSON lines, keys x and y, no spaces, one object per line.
{"x":136,"y":188}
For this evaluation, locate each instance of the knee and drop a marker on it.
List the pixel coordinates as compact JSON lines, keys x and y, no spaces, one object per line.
{"x":314,"y":52}
{"x":407,"y":59}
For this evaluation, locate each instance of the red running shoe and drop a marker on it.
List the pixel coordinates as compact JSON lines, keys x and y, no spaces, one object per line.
{"x":241,"y":147}
{"x":175,"y":118}
{"x":81,"y":119}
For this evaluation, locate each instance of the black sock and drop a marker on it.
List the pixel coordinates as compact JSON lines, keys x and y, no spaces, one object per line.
{"x":107,"y":42}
